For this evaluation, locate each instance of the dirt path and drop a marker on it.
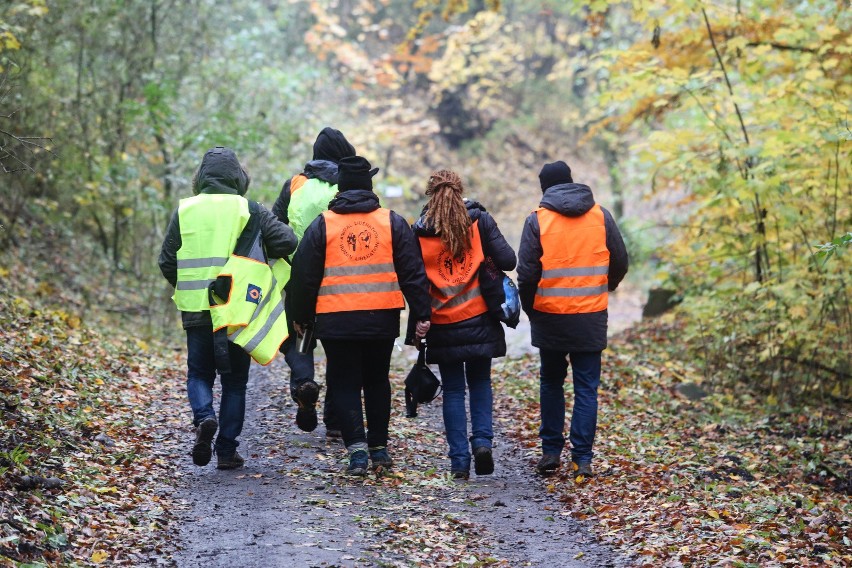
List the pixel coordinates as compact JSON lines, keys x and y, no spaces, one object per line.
{"x":292,"y":505}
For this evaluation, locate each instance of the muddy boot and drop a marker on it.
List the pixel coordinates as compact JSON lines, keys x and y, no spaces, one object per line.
{"x":202,"y":450}
{"x":233,"y":461}
{"x":380,"y":459}
{"x":357,"y":463}
{"x":306,"y":396}
{"x":582,"y":471}
{"x":548,"y":464}
{"x":483,"y":462}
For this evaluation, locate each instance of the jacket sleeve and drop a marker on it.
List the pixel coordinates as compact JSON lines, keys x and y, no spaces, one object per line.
{"x":529,"y":263}
{"x":618,"y":260}
{"x":494,"y":243}
{"x":410,"y":271}
{"x":168,"y":252}
{"x":279,"y":209}
{"x":278,"y":238}
{"x":306,"y":273}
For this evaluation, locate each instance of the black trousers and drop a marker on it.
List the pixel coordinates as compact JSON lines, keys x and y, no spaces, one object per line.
{"x":353,"y":366}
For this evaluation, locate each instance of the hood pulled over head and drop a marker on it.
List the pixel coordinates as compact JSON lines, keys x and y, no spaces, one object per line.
{"x":332,"y":145}
{"x":220,"y":172}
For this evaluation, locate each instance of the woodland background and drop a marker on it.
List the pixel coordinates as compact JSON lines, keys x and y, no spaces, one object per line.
{"x":717,"y":133}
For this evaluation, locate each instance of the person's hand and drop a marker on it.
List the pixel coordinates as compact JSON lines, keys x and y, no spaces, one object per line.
{"x":299,"y":329}
{"x":421,"y":329}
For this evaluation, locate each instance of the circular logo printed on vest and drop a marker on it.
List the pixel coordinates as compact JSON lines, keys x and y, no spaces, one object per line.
{"x":359,"y":240}
{"x":455,"y":270}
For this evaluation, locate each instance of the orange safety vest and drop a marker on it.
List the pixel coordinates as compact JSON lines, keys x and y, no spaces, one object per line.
{"x":296,"y":182}
{"x":359,"y":271}
{"x":574,"y":263}
{"x":454,"y":281}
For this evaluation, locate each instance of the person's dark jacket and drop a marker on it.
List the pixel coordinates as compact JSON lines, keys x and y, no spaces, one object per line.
{"x":566,"y":332}
{"x":479,"y":336}
{"x":222,"y":174}
{"x":329,"y":148}
{"x":309,"y":265}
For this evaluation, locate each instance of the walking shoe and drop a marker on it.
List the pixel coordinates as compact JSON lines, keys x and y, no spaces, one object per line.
{"x":483,"y":462}
{"x":306,"y":396}
{"x":582,"y":471}
{"x":547,"y":464}
{"x":202,"y":450}
{"x":460,"y":474}
{"x":380,"y":458}
{"x":357,"y":463}
{"x":233,"y":461}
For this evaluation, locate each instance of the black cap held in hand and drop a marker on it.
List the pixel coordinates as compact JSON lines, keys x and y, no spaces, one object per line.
{"x":554,"y":174}
{"x":354,"y":173}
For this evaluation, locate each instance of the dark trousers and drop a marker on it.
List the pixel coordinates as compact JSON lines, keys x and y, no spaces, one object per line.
{"x":301,"y":371}
{"x":201,"y":373}
{"x":584,"y":418}
{"x":353,"y":366}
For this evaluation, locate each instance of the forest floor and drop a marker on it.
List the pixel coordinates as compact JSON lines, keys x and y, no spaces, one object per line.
{"x":94,"y":435}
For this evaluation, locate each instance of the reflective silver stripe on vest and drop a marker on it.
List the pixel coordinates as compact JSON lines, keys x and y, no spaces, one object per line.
{"x":263,"y":301}
{"x":201,"y":262}
{"x":359,"y":270}
{"x":570,"y":292}
{"x":448,"y":291}
{"x":358,"y":288}
{"x":578,"y":271}
{"x":457,"y":300}
{"x":194,"y":284}
{"x":263,"y":331}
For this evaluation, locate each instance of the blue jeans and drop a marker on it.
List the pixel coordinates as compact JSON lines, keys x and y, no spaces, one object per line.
{"x":477,"y":372}
{"x":201,"y":373}
{"x":584,"y":419}
{"x":301,"y":371}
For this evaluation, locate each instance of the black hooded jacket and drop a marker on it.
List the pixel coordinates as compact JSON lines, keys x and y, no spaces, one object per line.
{"x":566,"y":332}
{"x":329,"y":148}
{"x":309,"y":266}
{"x":481,"y":336}
{"x":221,"y":173}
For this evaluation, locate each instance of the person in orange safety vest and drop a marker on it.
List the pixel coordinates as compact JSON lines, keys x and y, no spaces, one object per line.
{"x":571,"y":256}
{"x":355,"y":265}
{"x":456,"y":235}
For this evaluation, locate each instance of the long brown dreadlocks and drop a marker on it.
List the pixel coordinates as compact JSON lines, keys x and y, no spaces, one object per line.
{"x":446,"y":211}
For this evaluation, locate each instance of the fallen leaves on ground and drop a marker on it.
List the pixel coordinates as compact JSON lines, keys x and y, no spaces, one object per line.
{"x":726,"y":480}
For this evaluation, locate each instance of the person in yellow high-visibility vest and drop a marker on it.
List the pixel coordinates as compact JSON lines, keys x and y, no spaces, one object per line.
{"x":571,"y":256}
{"x":199,"y":241}
{"x":303,"y":197}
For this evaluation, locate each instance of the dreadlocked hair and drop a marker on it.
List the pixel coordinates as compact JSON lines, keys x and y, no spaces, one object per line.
{"x":446,"y":211}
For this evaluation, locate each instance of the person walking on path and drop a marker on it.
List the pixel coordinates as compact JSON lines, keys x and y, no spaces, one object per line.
{"x":571,"y":256}
{"x":354,"y":266}
{"x":199,"y":240}
{"x":455,"y":237}
{"x":304,"y":197}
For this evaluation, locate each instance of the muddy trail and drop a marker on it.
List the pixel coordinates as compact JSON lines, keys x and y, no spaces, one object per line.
{"x":292,"y":505}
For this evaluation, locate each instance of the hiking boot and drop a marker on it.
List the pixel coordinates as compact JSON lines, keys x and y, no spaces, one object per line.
{"x":460,"y":474}
{"x":547,"y":464}
{"x":202,"y":450}
{"x":233,"y":461}
{"x":483,"y":462}
{"x":582,"y":470}
{"x":357,"y":463}
{"x":380,"y":458}
{"x":306,"y":396}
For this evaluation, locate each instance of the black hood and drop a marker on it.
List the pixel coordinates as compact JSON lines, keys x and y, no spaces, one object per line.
{"x":354,"y":201}
{"x":323,"y":170}
{"x":569,"y":199}
{"x":422,"y":229}
{"x":332,"y":145}
{"x":220,"y":172}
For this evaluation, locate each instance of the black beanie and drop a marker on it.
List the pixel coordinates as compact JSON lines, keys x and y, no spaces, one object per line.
{"x":332,"y":145}
{"x":354,"y":173}
{"x":554,"y":174}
